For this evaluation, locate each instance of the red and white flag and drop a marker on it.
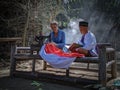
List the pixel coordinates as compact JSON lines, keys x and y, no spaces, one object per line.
{"x":56,"y":57}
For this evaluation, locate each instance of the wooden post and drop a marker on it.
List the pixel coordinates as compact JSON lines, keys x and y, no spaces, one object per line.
{"x":12,"y":67}
{"x":13,"y":49}
{"x":88,"y":65}
{"x":67,"y":72}
{"x":12,"y":60}
{"x":33,"y":65}
{"x":114,"y":66}
{"x":44,"y":65}
{"x":102,"y":65}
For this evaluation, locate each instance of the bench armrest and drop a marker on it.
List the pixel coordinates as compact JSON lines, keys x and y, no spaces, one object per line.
{"x":103,"y":45}
{"x":22,"y":49}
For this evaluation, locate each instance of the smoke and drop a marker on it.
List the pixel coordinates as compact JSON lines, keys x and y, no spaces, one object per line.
{"x":66,"y":1}
{"x":97,"y":24}
{"x":100,"y":26}
{"x":72,"y":32}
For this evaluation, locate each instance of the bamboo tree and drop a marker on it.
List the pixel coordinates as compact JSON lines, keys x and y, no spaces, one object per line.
{"x":27,"y":23}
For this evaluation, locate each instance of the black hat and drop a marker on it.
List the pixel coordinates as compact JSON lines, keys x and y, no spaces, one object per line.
{"x":83,"y":23}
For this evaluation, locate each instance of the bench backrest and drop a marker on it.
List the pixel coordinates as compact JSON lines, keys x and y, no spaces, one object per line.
{"x":108,"y":50}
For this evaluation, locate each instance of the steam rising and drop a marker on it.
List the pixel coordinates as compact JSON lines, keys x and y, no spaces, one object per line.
{"x":72,"y":33}
{"x":98,"y":24}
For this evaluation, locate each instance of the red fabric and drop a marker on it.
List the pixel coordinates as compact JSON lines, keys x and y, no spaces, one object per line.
{"x":52,"y":49}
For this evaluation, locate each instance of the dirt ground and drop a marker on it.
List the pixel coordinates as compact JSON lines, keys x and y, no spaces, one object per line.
{"x":7,"y":83}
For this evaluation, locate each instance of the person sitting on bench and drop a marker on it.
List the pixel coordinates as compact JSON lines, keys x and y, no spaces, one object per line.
{"x":57,"y":36}
{"x":87,"y":44}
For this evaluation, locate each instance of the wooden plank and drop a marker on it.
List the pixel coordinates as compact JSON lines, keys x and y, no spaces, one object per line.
{"x":26,"y":57}
{"x":87,"y":60}
{"x":103,"y":44}
{"x":83,"y":68}
{"x":12,"y":39}
{"x":52,"y":77}
{"x":22,"y":48}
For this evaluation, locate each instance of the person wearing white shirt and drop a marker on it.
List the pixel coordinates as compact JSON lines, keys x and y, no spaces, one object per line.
{"x":87,"y":44}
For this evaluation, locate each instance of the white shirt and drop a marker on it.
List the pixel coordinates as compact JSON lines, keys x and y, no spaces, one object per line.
{"x":89,"y":43}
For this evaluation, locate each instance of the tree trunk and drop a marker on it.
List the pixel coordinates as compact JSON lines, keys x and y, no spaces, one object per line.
{"x":26,"y":25}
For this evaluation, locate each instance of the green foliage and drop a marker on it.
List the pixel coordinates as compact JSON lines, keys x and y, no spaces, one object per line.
{"x":116,"y":83}
{"x":37,"y":84}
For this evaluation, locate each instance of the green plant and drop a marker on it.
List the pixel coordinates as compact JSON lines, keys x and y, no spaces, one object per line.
{"x":37,"y":84}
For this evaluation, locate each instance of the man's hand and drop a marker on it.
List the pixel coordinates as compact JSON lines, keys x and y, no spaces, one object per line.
{"x":74,"y":46}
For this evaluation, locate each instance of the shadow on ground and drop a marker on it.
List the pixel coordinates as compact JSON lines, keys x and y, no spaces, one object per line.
{"x":7,"y":83}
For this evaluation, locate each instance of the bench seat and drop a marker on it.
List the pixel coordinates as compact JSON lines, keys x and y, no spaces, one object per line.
{"x":87,"y":60}
{"x":26,"y":57}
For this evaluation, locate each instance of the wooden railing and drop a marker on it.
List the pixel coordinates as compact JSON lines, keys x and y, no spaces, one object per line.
{"x":106,"y":57}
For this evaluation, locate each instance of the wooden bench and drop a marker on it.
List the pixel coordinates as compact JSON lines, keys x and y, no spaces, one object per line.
{"x":106,"y":58}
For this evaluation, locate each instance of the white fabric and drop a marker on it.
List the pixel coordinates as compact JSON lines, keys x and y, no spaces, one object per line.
{"x":55,"y":60}
{"x":89,"y":43}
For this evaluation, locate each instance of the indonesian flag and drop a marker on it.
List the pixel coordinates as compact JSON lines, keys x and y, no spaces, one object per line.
{"x":56,"y":57}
